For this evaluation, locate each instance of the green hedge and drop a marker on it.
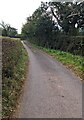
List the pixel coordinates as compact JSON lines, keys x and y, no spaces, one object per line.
{"x":66,"y":43}
{"x":72,"y":44}
{"x":14,"y":66}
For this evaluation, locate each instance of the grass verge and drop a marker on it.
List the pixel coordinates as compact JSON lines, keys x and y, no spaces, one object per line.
{"x":14,"y":62}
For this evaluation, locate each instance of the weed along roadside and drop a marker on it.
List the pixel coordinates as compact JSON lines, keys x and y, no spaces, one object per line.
{"x":15,"y":65}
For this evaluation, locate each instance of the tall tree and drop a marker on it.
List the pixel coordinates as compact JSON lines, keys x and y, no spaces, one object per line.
{"x":69,"y":16}
{"x":40,"y":27}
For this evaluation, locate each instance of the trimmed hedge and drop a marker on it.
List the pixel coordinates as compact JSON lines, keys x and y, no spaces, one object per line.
{"x":14,"y":66}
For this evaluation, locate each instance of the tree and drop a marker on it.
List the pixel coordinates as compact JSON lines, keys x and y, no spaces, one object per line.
{"x":12,"y":32}
{"x":68,"y":15}
{"x":8,"y":30}
{"x":40,"y":27}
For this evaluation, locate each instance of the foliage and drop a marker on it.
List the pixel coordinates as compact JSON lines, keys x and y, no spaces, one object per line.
{"x":72,"y":44}
{"x":39,"y":27}
{"x":69,"y":16}
{"x":8,"y":30}
{"x":14,"y":59}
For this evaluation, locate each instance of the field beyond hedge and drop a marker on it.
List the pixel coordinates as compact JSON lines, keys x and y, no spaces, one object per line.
{"x":15,"y":60}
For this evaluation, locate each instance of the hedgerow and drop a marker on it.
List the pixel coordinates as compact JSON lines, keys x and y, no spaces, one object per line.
{"x":14,"y":62}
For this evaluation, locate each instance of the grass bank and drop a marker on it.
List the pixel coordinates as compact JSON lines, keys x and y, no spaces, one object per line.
{"x":15,"y":60}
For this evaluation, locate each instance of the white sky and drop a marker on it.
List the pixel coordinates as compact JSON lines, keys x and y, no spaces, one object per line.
{"x":15,"y":12}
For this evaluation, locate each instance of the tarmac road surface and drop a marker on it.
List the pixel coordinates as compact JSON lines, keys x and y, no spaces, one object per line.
{"x":51,"y":90}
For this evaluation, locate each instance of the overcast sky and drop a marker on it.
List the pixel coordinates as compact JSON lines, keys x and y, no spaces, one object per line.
{"x":15,"y":12}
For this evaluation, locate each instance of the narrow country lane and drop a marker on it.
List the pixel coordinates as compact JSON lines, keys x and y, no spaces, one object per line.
{"x":51,"y":90}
